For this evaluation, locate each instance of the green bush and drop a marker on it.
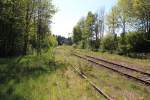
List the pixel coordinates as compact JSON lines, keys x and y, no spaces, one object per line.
{"x":84,"y":44}
{"x":138,"y":42}
{"x":109,"y":43}
{"x":49,"y":41}
{"x":123,"y":46}
{"x":133,"y":42}
{"x":95,"y":45}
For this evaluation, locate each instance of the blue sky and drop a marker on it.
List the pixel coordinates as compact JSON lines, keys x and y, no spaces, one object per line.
{"x":70,"y":11}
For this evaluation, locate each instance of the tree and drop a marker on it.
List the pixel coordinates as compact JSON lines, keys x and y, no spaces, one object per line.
{"x":141,"y":11}
{"x":29,"y":11}
{"x":83,"y":32}
{"x":99,"y":23}
{"x":89,"y":24}
{"x":98,"y":27}
{"x":112,"y":20}
{"x":24,"y":24}
{"x":124,"y":8}
{"x":11,"y":27}
{"x":77,"y":34}
{"x":88,"y":29}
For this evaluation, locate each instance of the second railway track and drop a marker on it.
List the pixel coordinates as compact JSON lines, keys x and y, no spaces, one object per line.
{"x":99,"y":90}
{"x":131,"y":73}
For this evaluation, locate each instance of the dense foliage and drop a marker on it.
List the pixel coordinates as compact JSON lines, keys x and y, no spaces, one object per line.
{"x":24,"y":25}
{"x":127,"y":26}
{"x":89,"y":30}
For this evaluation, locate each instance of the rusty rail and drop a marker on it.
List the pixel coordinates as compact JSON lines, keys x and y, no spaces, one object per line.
{"x":100,"y":91}
{"x":116,"y":68}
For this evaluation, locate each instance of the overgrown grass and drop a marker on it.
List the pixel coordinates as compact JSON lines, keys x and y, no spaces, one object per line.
{"x":14,"y":71}
{"x":45,"y":77}
{"x":118,"y":87}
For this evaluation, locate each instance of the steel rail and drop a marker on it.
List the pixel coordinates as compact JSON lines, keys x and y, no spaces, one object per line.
{"x":133,"y":69}
{"x":100,"y":91}
{"x":115,"y":70}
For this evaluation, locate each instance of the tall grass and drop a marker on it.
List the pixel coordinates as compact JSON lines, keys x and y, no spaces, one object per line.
{"x":45,"y":77}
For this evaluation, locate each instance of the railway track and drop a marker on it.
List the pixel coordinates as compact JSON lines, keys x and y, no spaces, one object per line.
{"x":99,"y":90}
{"x":138,"y":75}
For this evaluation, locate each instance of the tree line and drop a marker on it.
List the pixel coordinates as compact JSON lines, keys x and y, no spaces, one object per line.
{"x":127,"y":26}
{"x":25,"y":26}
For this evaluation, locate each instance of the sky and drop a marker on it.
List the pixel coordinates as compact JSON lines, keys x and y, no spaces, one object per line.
{"x":70,"y":11}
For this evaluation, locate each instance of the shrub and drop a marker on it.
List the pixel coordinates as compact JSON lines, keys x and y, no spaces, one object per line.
{"x":123,"y":46}
{"x":95,"y":44}
{"x":109,"y":43}
{"x":138,"y":42}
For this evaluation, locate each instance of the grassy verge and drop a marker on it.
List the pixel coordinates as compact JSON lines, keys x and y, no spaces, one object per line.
{"x":43,"y":78}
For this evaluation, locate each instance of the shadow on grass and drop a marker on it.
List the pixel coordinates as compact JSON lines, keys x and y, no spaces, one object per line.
{"x":14,"y":72}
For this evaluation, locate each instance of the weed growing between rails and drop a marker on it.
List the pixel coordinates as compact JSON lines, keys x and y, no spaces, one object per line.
{"x":118,"y":87}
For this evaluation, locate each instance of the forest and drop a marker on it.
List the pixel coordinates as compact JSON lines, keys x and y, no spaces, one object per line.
{"x":25,"y":26}
{"x":124,"y":30}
